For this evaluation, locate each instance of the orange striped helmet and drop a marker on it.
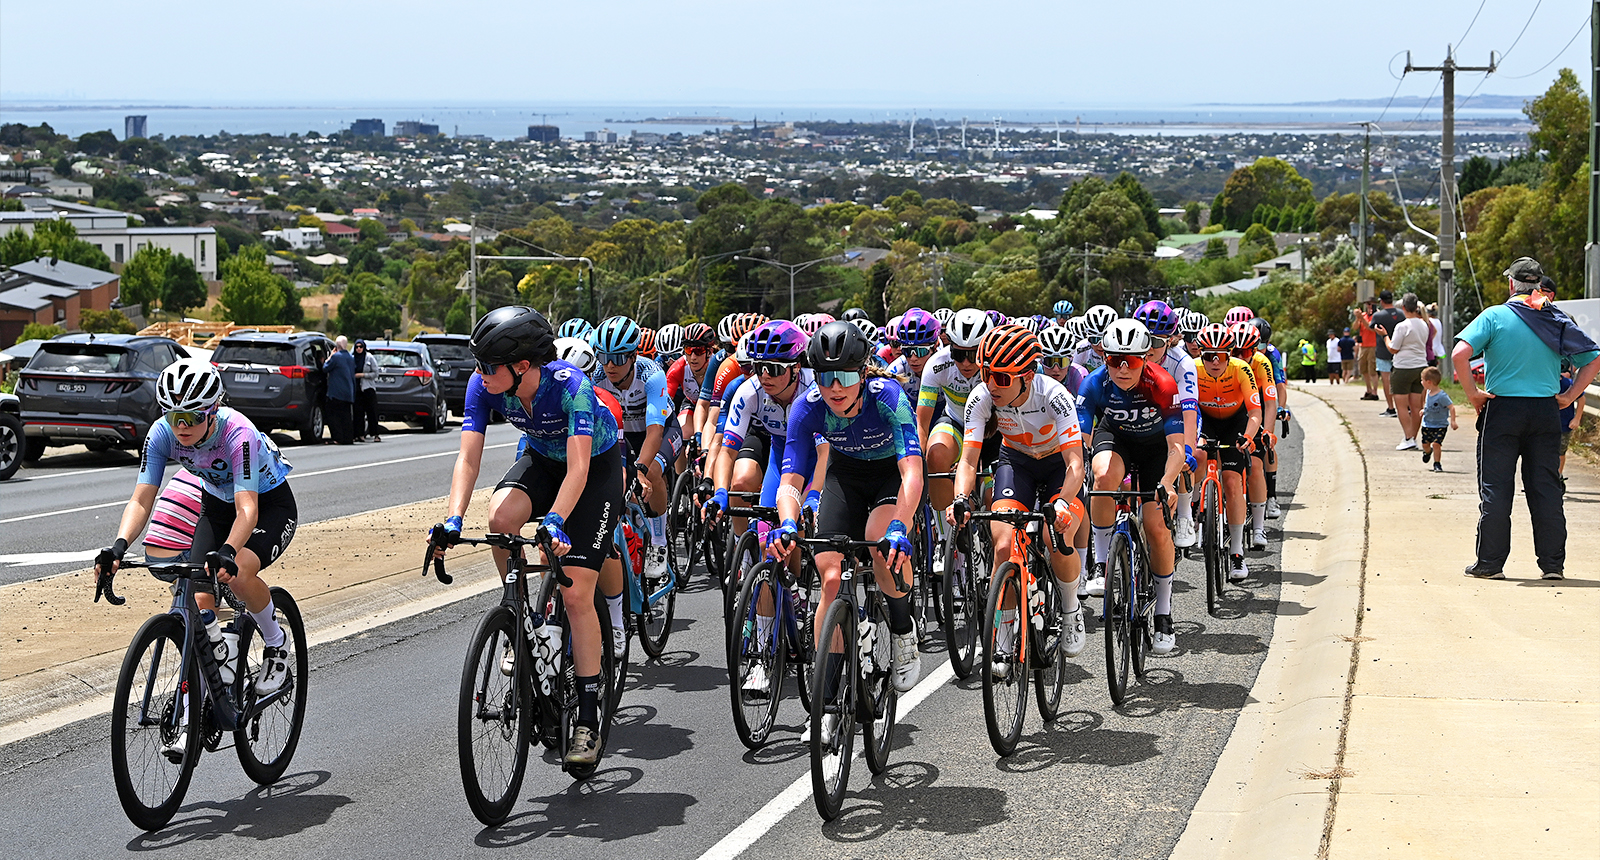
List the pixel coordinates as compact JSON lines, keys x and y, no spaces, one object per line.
{"x":647,"y":342}
{"x":1215,"y":336}
{"x":1245,"y":335}
{"x":1010,"y":349}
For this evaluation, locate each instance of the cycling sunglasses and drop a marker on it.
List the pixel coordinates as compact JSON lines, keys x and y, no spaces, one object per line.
{"x":1000,"y":378}
{"x":829,"y":378}
{"x":617,"y":359}
{"x":1120,"y":361}
{"x":489,"y":369}
{"x":188,"y":419}
{"x":697,"y":350}
{"x":963,"y":356}
{"x":1057,"y":362}
{"x":917,"y":351}
{"x":1217,"y":355}
{"x":771,"y":368}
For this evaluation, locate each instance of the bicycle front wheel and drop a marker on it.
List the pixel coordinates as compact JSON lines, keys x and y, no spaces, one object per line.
{"x":833,"y":710}
{"x":963,"y":600}
{"x":149,"y":712}
{"x":1051,"y":675}
{"x":1211,"y":538}
{"x":879,"y":699}
{"x":742,"y":556}
{"x":494,"y":720}
{"x":756,"y":667}
{"x":681,"y":524}
{"x":267,"y":737}
{"x":1005,"y":660}
{"x":1118,"y":609}
{"x":655,"y":613}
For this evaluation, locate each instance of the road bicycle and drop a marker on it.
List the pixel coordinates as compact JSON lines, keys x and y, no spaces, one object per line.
{"x":172,"y":687}
{"x":968,"y":559}
{"x":692,"y":539}
{"x":651,"y":600}
{"x":772,"y":621}
{"x":520,"y":677}
{"x":1213,"y":520}
{"x":1129,"y":599}
{"x":742,"y":550}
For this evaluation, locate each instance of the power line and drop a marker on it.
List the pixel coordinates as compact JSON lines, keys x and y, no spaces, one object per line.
{"x":1400,"y":81}
{"x":1507,"y":52}
{"x":1472,"y":22}
{"x":1574,"y":38}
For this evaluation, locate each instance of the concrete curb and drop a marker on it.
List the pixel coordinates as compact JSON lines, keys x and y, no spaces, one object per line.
{"x":1268,"y":796}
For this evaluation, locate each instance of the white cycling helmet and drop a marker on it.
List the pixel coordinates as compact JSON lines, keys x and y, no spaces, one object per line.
{"x":1193,"y":322}
{"x":944,"y":316}
{"x":1097,"y":319}
{"x":577,"y":352}
{"x":1028,"y":323}
{"x":669,"y":340}
{"x":868,"y":328}
{"x":1078,"y":326}
{"x":188,"y":385}
{"x":1126,"y":337}
{"x":725,"y":328}
{"x":1057,"y":340}
{"x":741,"y":351}
{"x":968,"y":327}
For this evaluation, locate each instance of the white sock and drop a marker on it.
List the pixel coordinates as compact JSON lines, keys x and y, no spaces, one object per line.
{"x":763,"y":628}
{"x":271,"y":633}
{"x":615,"y":605}
{"x":1102,"y":542}
{"x":1005,"y":629}
{"x":658,"y":530}
{"x":1164,"y":595}
{"x":1185,"y":507}
{"x":1069,"y":594}
{"x":1236,"y":538}
{"x":1258,"y":515}
{"x":940,"y":527}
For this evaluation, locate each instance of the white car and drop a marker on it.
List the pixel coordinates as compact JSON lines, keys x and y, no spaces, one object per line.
{"x":10,"y":435}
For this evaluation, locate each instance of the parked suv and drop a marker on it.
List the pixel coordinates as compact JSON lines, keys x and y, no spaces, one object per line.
{"x":10,"y":435}
{"x":97,"y":390}
{"x":452,"y":357}
{"x":276,"y":380}
{"x":408,"y":384}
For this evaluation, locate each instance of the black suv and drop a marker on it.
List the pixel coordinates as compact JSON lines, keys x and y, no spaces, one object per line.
{"x":452,"y":357}
{"x":276,"y":380}
{"x":10,"y":435}
{"x":97,"y":390}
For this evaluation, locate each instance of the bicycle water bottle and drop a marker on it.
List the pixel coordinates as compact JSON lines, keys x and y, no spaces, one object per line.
{"x":222,"y":650}
{"x":1036,"y":605}
{"x":550,"y":635}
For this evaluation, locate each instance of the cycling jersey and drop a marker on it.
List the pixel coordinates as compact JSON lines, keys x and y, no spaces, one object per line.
{"x":912,"y":386}
{"x":683,"y":386}
{"x":236,"y":456}
{"x":606,"y":398}
{"x":1088,"y":357}
{"x":644,"y":401}
{"x":1148,"y":410}
{"x":1073,"y":382}
{"x":1226,"y":395}
{"x":941,"y":376}
{"x":564,"y":405}
{"x":883,"y":428}
{"x":1261,"y":368}
{"x":751,"y":408}
{"x":1182,"y":370}
{"x":1045,"y":423}
{"x":1276,"y":357}
{"x":720,"y":373}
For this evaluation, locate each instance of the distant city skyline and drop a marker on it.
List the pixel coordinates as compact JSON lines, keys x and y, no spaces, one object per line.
{"x":933,"y":54}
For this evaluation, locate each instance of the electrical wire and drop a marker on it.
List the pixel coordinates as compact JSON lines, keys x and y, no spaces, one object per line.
{"x":1471,"y":23}
{"x":1506,"y":53}
{"x":1558,"y":53}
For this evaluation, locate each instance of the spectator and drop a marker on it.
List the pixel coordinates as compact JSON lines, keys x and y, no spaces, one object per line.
{"x":173,"y":519}
{"x":1438,"y":416}
{"x":1385,"y":321}
{"x":366,"y":429}
{"x":1368,"y":354}
{"x":341,"y":391}
{"x":1347,"y":356}
{"x":1435,"y":333}
{"x":1331,"y":351}
{"x":1308,"y":361}
{"x":1407,"y":343}
{"x":1570,"y":418}
{"x":1519,"y":416}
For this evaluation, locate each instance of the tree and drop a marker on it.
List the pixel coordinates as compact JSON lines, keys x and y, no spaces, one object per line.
{"x":112,"y":322}
{"x":1269,"y":180}
{"x":372,"y":231}
{"x":144,"y":278}
{"x":458,"y":320}
{"x":251,"y":293}
{"x":185,"y":289}
{"x":98,"y":142}
{"x":1191,"y":216}
{"x":40,"y":331}
{"x":366,"y":310}
{"x":1561,"y":128}
{"x":872,"y":229}
{"x":1475,"y":174}
{"x":1136,"y":193}
{"x":57,"y":239}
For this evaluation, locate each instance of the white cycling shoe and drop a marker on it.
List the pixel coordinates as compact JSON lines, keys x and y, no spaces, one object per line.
{"x":907,"y":662}
{"x":1184,"y":534}
{"x":1073,"y":639}
{"x":274,"y":668}
{"x":1258,"y":539}
{"x":1164,"y":640}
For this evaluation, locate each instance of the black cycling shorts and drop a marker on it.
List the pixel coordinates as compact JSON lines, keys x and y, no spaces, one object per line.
{"x":277,"y":516}
{"x":756,"y":447}
{"x":671,"y":441}
{"x":1145,"y":459}
{"x":852,"y":490}
{"x":1032,"y":483}
{"x":595,"y":515}
{"x":1227,"y":431}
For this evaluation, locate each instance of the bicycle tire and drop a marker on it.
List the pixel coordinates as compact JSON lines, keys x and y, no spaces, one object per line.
{"x":804,"y":652}
{"x":753,"y":716}
{"x":1050,"y":672}
{"x":492,"y":744}
{"x":743,"y":555}
{"x":149,"y":786}
{"x":1005,"y":699}
{"x":284,"y":718}
{"x":655,"y":619}
{"x":1210,"y":524}
{"x":1142,"y":587}
{"x":878,"y":701}
{"x":681,"y":522}
{"x":605,"y":711}
{"x":830,"y":763}
{"x":1116,"y":605}
{"x":962,"y":625}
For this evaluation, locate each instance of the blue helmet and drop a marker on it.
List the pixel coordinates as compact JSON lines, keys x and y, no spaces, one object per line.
{"x":1063,"y":308}
{"x":575,"y":327}
{"x":617,"y":334}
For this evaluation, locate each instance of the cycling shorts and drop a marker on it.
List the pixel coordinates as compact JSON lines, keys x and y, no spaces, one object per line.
{"x":852,"y":490}
{"x":277,"y":517}
{"x":671,"y":443}
{"x":1145,"y":459}
{"x":1264,"y":441}
{"x":593,"y":517}
{"x":955,"y":429}
{"x":1030,"y":484}
{"x":1227,"y":431}
{"x":757,"y":447}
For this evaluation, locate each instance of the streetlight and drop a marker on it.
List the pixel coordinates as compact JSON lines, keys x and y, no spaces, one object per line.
{"x":700,"y":267}
{"x":791,"y":268}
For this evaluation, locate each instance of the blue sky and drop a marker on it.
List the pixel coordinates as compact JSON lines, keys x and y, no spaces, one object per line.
{"x":928,"y":54}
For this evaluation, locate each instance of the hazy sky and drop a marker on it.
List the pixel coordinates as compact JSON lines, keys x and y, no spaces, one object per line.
{"x":928,"y":54}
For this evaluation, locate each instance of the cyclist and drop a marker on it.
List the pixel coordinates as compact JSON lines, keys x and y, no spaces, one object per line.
{"x":1095,"y":321}
{"x":569,"y":477}
{"x":853,"y":314}
{"x":949,"y":377}
{"x":916,"y":336}
{"x":944,"y":316}
{"x":1040,"y":465}
{"x":683,"y":380}
{"x":1138,"y":428}
{"x":1057,"y":344}
{"x":873,"y":482}
{"x":1062,"y":311}
{"x":1162,"y":323}
{"x":576,"y":327}
{"x":725,"y":373}
{"x":1192,"y":323}
{"x":647,"y":344}
{"x":648,"y":423}
{"x":669,"y":344}
{"x":1282,"y":388}
{"x":1245,"y":336}
{"x":247,"y":513}
{"x":1230,"y":405}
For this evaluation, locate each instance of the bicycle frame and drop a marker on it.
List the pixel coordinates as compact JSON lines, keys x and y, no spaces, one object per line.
{"x":1024,"y":552}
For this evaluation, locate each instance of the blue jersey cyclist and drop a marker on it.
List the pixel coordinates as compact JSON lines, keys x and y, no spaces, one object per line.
{"x":873,"y":482}
{"x":1166,"y":350}
{"x":569,"y":477}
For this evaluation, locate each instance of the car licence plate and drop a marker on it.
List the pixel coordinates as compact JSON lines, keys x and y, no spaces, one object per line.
{"x":247,"y":377}
{"x":72,"y":387}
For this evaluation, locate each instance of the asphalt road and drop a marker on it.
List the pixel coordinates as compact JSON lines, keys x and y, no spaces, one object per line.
{"x":55,"y":514}
{"x":376,"y":773}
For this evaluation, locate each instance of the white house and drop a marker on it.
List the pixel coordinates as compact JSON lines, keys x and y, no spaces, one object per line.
{"x":108,"y":230}
{"x":299,"y":238}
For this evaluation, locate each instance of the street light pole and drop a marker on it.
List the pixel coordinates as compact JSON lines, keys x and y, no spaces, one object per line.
{"x":791,"y":268}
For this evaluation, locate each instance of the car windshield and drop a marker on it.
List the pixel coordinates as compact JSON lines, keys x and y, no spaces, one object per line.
{"x":270,"y":354}
{"x":82,"y":358}
{"x":450,"y":351}
{"x":397,"y":358}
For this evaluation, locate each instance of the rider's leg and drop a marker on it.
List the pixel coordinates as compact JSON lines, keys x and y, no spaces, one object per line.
{"x":585,"y":627}
{"x":747,"y":478}
{"x":509,"y":510}
{"x":1233,"y":489}
{"x":612,"y":589}
{"x":1159,"y":541}
{"x":1109,"y":471}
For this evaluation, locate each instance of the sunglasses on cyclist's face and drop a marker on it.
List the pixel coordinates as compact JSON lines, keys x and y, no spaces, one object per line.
{"x":963,"y":356}
{"x":771,"y":368}
{"x":1057,"y":362}
{"x":618,"y":359}
{"x":697,"y":351}
{"x":180,"y":420}
{"x":1214,"y":356}
{"x":917,"y":351}
{"x":1120,"y":361}
{"x":845,"y":378}
{"x":1000,"y":378}
{"x":488,"y":369}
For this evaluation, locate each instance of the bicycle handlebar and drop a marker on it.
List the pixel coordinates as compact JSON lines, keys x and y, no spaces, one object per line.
{"x":844,"y":545}
{"x":176,"y":569}
{"x":1159,"y":494}
{"x":500,"y":540}
{"x":1018,"y":519}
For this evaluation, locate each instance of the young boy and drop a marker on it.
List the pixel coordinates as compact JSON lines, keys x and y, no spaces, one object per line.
{"x":1331,"y":354}
{"x":1437,"y":411}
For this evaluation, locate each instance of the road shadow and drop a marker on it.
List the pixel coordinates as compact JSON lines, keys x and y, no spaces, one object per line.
{"x":1163,"y":689}
{"x":636,"y":735}
{"x":599,"y":808}
{"x":1193,"y":636}
{"x":1295,"y":577}
{"x":1077,"y":737}
{"x":265,"y":812}
{"x":906,"y":797}
{"x":677,"y":671}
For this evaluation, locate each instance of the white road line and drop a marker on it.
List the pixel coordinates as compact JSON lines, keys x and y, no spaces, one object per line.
{"x":767,"y":817}
{"x":291,"y":474}
{"x":45,"y":477}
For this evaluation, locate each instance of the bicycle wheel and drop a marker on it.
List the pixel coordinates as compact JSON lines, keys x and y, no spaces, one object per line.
{"x":755,"y":650}
{"x":1005,"y":699}
{"x":803,"y":654}
{"x":1211,"y":543}
{"x":1117,"y":606}
{"x":682,"y":522}
{"x":266,"y":740}
{"x":963,"y":598}
{"x":494,"y":718}
{"x":147,"y":713}
{"x":878,"y":698}
{"x":1050,"y":672}
{"x":1141,"y":586}
{"x":833,"y":715}
{"x":744,"y":553}
{"x":655,"y":618}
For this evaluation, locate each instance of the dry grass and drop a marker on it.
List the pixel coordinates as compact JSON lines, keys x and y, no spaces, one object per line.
{"x":1336,"y":773}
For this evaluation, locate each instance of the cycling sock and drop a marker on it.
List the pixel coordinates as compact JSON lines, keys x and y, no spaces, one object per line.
{"x":1236,"y":538}
{"x":763,"y":630}
{"x":1272,"y":485}
{"x":658,"y":530}
{"x":899,"y":614}
{"x":1069,"y":594}
{"x":1185,"y":507}
{"x":830,"y":686}
{"x":1164,"y":594}
{"x":1102,"y":543}
{"x":1005,"y":630}
{"x":271,"y":632}
{"x":589,"y":701}
{"x":941,"y":528}
{"x":1083,"y":553}
{"x":614,"y":603}
{"x":1258,"y":515}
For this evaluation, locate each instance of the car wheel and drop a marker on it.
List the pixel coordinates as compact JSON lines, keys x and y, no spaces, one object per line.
{"x":33,"y":448}
{"x":11,"y":445}
{"x":311,"y":431}
{"x":434,"y":421}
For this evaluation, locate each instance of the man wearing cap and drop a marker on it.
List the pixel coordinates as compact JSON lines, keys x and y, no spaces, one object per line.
{"x":1519,"y":416}
{"x":1386,"y":319}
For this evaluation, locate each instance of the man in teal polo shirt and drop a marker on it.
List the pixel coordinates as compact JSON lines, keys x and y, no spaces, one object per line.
{"x":1519,"y":416}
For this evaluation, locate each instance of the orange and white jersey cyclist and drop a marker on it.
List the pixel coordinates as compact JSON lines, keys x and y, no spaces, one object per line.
{"x":1230,"y":412}
{"x":1039,"y":467}
{"x":1245,"y":337}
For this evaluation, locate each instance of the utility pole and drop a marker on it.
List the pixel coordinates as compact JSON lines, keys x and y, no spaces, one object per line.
{"x":1361,"y":217}
{"x":911,"y":134}
{"x":1591,"y":251}
{"x":1085,"y":276}
{"x":964,"y":125}
{"x":472,"y":283}
{"x":1447,"y":191}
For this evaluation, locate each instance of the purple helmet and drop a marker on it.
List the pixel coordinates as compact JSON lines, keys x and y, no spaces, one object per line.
{"x":999,"y":318}
{"x":1158,"y":317}
{"x":778,"y":340}
{"x":917,"y":328}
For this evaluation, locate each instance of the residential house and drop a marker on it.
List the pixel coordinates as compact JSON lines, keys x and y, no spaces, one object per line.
{"x":52,"y":292}
{"x":335,"y":230}
{"x":298,"y":238}
{"x":69,"y":188}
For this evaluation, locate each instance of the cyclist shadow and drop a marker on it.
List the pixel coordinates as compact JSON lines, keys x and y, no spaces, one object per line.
{"x":1194,"y":637}
{"x":1078,"y":737}
{"x":676,"y":671}
{"x":906,"y":798}
{"x":643,"y":739}
{"x":784,"y":744}
{"x":599,"y":808}
{"x":1163,"y":689}
{"x":264,"y":812}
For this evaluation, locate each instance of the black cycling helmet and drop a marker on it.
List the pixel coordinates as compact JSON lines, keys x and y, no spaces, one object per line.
{"x":837,"y":346}
{"x":1265,"y":328}
{"x":854,"y":314}
{"x":511,"y":334}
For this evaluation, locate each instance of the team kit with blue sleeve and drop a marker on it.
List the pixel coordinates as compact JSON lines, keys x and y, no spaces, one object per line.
{"x":864,"y":452}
